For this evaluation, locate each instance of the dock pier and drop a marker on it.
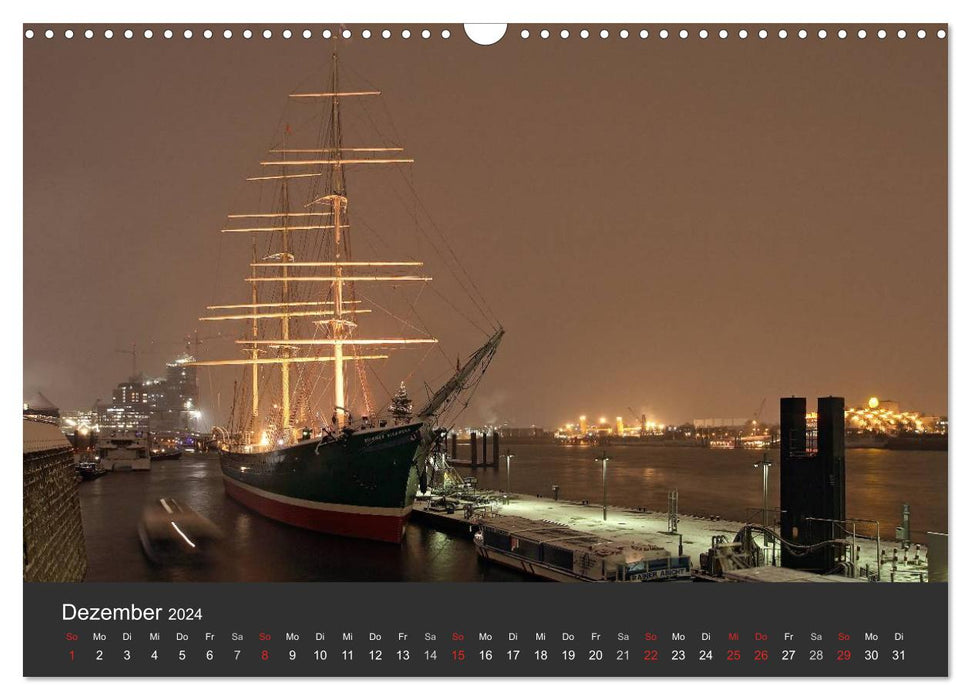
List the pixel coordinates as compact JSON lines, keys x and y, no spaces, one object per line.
{"x":476,"y":459}
{"x":694,"y":535}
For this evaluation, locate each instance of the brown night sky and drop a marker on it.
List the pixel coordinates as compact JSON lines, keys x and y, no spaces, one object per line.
{"x":683,"y":227}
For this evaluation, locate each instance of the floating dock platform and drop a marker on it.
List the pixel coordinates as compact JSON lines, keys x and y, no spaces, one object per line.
{"x":558,"y":553}
{"x":645,"y":528}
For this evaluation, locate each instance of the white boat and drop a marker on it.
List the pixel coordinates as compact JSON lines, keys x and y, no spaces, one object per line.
{"x":558,"y":553}
{"x":125,"y":450}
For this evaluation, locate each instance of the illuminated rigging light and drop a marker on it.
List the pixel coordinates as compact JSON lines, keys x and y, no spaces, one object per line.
{"x":278,"y":215}
{"x":282,"y":177}
{"x":280,"y":360}
{"x":337,"y":314}
{"x":340,"y":149}
{"x":281,"y":314}
{"x":342,"y":263}
{"x":341,"y":341}
{"x":289,"y":303}
{"x":355,"y":278}
{"x":338,"y":161}
{"x":277,"y":228}
{"x":359,"y":93}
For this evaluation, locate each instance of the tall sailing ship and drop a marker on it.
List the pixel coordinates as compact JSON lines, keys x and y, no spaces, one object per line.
{"x":342,"y":466}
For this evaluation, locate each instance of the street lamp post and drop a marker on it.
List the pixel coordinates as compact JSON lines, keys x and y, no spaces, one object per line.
{"x":765,"y":464}
{"x":604,"y":459}
{"x":509,"y":455}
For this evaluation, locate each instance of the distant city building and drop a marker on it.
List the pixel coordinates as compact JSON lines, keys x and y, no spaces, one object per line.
{"x":178,"y":399}
{"x":168,"y":404}
{"x":884,"y":417}
{"x":78,"y":421}
{"x":530,"y":433}
{"x":80,"y":428}
{"x":700,"y":423}
{"x":132,"y":405}
{"x":583,"y":430}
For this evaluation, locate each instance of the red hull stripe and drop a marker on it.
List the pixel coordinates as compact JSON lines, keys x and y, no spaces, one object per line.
{"x":366,"y":525}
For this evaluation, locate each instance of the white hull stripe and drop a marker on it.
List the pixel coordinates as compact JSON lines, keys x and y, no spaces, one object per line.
{"x":317,"y":505}
{"x":533,"y":568}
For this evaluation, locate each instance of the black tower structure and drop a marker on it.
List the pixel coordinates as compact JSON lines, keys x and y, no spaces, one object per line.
{"x":813,"y":482}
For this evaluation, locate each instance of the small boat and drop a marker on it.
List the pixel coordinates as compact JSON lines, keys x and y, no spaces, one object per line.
{"x":161,"y":453}
{"x":89,"y":466}
{"x":171,"y":533}
{"x":558,"y":553}
{"x":90,"y":470}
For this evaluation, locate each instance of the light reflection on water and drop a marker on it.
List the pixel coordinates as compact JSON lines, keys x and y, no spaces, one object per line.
{"x":724,"y":482}
{"x":709,"y":482}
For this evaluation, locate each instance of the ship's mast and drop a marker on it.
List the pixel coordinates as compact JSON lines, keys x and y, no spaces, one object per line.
{"x":326,"y":211}
{"x":255,"y":352}
{"x":338,"y":323}
{"x":286,"y":257}
{"x":340,"y":327}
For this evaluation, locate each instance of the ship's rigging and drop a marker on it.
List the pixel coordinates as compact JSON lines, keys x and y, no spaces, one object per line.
{"x":302,"y":322}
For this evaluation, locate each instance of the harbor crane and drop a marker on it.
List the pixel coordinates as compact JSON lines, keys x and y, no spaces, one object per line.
{"x":194,"y":339}
{"x":134,"y":359}
{"x":189,"y":340}
{"x":756,"y":416}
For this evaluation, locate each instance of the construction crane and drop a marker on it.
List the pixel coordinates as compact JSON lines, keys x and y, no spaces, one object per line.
{"x":641,"y":419}
{"x":134,"y":359}
{"x":188,"y":341}
{"x":194,"y":339}
{"x":755,"y":417}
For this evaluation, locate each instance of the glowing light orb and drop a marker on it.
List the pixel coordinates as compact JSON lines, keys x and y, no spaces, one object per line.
{"x":873,"y":402}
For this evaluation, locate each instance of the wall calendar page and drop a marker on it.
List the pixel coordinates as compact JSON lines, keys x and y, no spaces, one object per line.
{"x":548,"y":349}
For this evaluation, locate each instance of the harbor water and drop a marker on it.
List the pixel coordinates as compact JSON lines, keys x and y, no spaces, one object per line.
{"x":723,"y":483}
{"x":710,"y":482}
